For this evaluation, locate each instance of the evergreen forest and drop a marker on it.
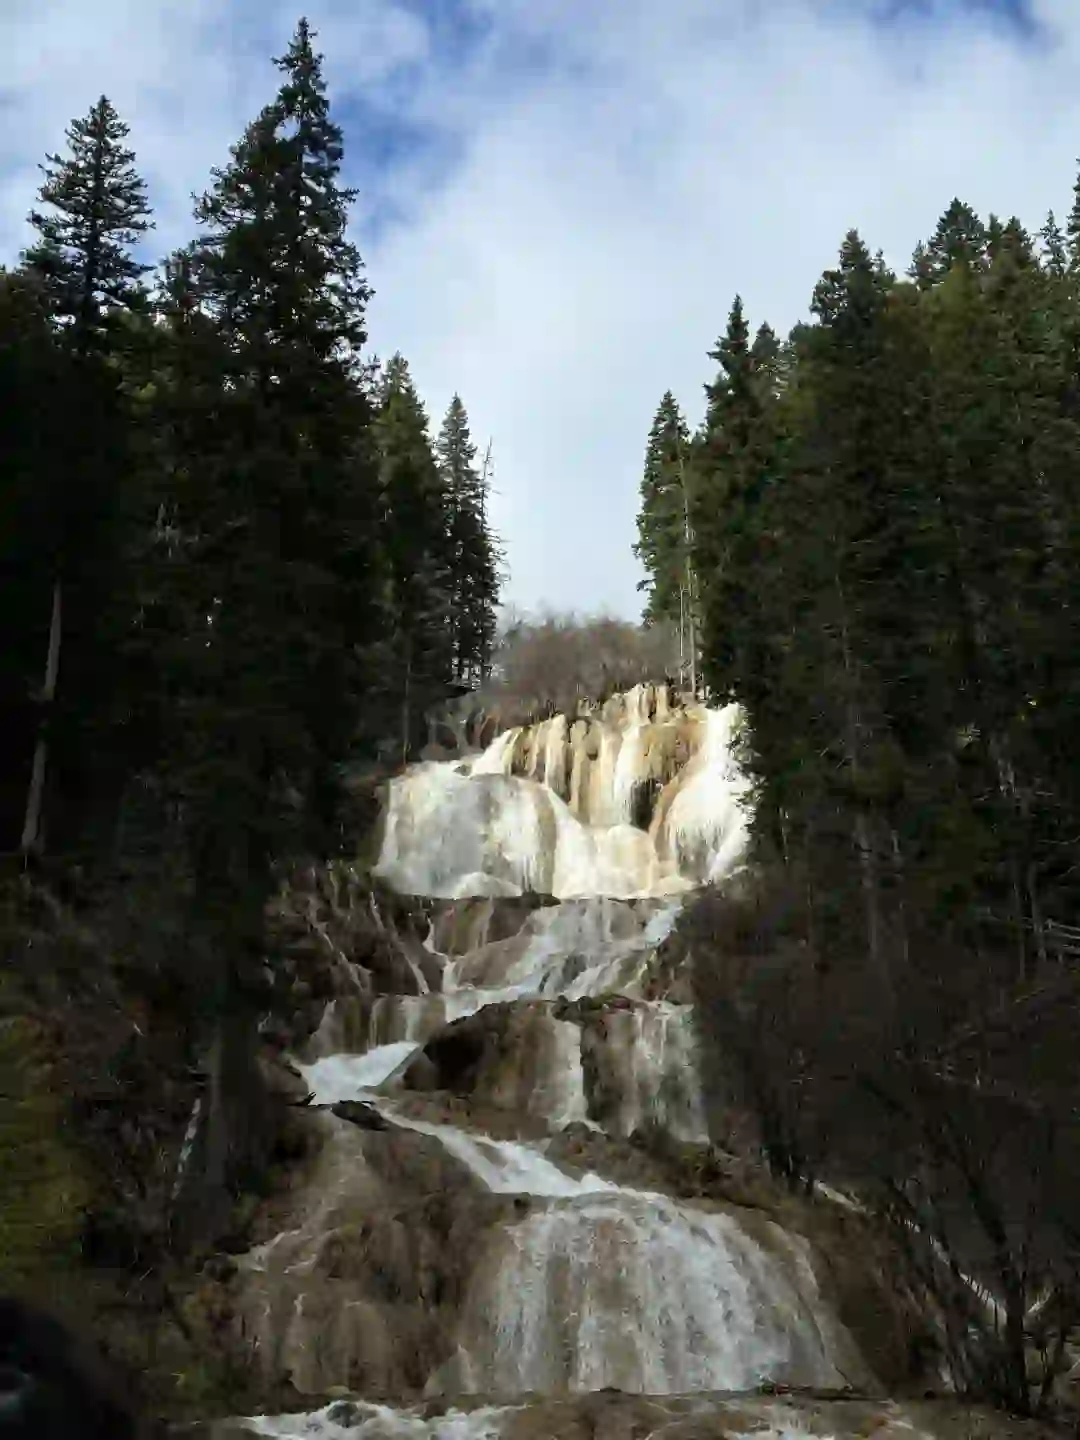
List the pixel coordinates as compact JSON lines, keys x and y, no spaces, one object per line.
{"x":237,"y":568}
{"x":872,"y":543}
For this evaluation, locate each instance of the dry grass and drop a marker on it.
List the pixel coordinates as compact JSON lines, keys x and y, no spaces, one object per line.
{"x":559,"y":663}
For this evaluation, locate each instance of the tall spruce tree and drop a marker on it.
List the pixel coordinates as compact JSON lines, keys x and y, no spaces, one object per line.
{"x":735,"y":455}
{"x":1055,"y":256}
{"x":97,"y":213}
{"x":473,"y":553}
{"x":286,"y":504}
{"x":274,"y":509}
{"x":417,"y":554}
{"x":94,"y":211}
{"x":664,"y":525}
{"x":489,"y":573}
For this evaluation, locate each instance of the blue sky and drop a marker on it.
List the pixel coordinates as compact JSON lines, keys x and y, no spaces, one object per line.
{"x":559,"y":198}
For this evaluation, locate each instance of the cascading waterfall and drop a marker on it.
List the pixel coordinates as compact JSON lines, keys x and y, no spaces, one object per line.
{"x":579,"y":1284}
{"x":634,"y":1292}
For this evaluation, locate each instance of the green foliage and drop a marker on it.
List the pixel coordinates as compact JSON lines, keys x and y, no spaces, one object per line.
{"x":418,"y":645}
{"x":886,"y":551}
{"x":886,"y":548}
{"x":44,"y":1185}
{"x":473,"y":551}
{"x":662,"y":519}
{"x":93,"y":212}
{"x":97,"y":213}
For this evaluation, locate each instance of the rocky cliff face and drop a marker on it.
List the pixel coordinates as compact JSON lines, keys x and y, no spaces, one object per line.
{"x":511,"y":1193}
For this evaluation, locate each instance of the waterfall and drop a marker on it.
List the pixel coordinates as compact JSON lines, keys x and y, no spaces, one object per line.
{"x":549,"y":1279}
{"x":634,"y":1292}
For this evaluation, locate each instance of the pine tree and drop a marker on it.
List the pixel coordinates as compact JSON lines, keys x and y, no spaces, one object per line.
{"x":734,"y":458}
{"x":664,"y":527}
{"x":1053,"y":243}
{"x":273,"y":511}
{"x":818,"y":649}
{"x":489,"y":573}
{"x":287,"y":503}
{"x":770,"y":363}
{"x":474,"y":558}
{"x":96,"y":212}
{"x":995,"y":235}
{"x":960,"y":238}
{"x":1017,"y":244}
{"x":1001,"y":363}
{"x":417,"y":551}
{"x":1072,"y":226}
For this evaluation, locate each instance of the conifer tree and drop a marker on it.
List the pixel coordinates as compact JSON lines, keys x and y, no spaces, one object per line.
{"x":1072,"y":226}
{"x":274,"y":511}
{"x":734,"y":457}
{"x":97,"y":213}
{"x":1053,"y":247}
{"x":286,"y":501}
{"x":94,"y":212}
{"x":474,"y":560}
{"x":995,"y":234}
{"x":960,"y":238}
{"x":488,"y":573}
{"x":417,"y":553}
{"x":665,"y":529}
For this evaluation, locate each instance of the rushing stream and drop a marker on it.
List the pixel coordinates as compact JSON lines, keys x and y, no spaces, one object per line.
{"x":577,"y":1284}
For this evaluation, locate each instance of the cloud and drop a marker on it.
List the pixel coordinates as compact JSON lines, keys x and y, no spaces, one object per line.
{"x":187,"y":75}
{"x":561,"y":197}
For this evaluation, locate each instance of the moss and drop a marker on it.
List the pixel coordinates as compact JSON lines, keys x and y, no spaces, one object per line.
{"x":44,"y":1189}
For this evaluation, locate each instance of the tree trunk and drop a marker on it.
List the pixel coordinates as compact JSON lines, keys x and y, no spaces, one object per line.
{"x":861,"y":832}
{"x":32,"y":837}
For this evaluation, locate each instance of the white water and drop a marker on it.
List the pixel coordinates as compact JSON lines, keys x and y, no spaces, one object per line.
{"x":473,"y":828}
{"x":650,"y":1059}
{"x":348,"y":1077}
{"x":596,"y":1285}
{"x":636,"y":1293}
{"x":358,"y":1421}
{"x":505,"y":1167}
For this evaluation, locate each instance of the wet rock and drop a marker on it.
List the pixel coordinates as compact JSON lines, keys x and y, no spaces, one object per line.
{"x":359,"y":1113}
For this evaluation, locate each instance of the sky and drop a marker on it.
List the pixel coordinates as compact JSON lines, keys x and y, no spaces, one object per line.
{"x":558,"y":199}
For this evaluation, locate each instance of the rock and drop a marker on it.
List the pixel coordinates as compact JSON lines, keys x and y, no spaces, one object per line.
{"x":357,"y":1112}
{"x":281,"y":1079}
{"x":220,"y":1268}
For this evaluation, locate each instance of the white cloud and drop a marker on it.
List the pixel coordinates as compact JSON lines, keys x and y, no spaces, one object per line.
{"x":609,"y":202}
{"x":186,"y":75}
